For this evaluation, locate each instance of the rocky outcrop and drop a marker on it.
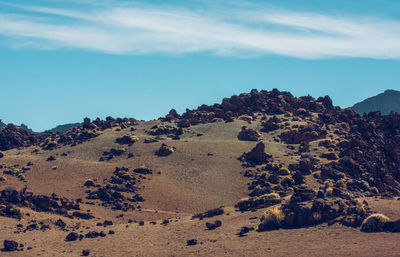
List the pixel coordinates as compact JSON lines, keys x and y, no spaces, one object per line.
{"x":120,"y":191}
{"x":126,"y":140}
{"x":304,"y":134}
{"x":12,"y":136}
{"x":165,"y":150}
{"x":271,"y":124}
{"x":209,"y":214}
{"x":11,"y":200}
{"x":256,"y":156}
{"x":169,"y":131}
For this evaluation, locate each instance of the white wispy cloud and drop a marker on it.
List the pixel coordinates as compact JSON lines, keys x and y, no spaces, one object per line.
{"x":147,"y":29}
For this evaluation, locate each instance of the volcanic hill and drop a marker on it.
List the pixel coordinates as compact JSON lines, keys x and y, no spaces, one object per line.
{"x":262,"y":173}
{"x":385,"y":102}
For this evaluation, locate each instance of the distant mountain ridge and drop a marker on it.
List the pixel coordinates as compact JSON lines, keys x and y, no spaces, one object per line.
{"x":58,"y":129}
{"x":385,"y":103}
{"x":23,"y":126}
{"x":64,"y":127}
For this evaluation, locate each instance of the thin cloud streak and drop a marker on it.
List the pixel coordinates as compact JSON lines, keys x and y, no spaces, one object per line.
{"x":146,"y":29}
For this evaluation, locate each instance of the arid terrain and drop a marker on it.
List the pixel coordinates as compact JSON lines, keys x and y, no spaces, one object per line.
{"x":262,"y":174}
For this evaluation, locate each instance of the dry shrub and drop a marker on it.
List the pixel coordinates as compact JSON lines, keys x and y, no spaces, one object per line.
{"x":328,"y":191}
{"x":374,"y":223}
{"x":340,"y":184}
{"x":317,"y":216}
{"x":271,"y":197}
{"x":301,"y":111}
{"x":284,"y":171}
{"x":272,"y":219}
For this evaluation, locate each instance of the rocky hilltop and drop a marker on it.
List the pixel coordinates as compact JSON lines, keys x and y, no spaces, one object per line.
{"x":218,"y":177}
{"x":385,"y":102}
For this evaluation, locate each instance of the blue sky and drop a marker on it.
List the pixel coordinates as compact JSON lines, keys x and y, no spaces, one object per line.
{"x":61,"y":62}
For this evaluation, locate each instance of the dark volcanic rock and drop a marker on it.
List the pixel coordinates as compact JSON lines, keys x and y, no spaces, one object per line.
{"x":60,"y":223}
{"x":256,"y":156}
{"x":10,"y":245}
{"x":165,"y":130}
{"x":271,"y":124}
{"x":12,"y":136}
{"x":247,"y":134}
{"x":302,"y":194}
{"x":209,"y":213}
{"x":303,"y":135}
{"x":212,"y":226}
{"x":128,"y":140}
{"x":172,"y":115}
{"x":73,"y":236}
{"x":329,"y":156}
{"x":82,"y":215}
{"x":14,"y":199}
{"x":165,"y":150}
{"x":191,"y":242}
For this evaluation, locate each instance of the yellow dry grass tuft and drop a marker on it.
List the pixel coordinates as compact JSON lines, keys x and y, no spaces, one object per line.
{"x":272,"y":219}
{"x":374,"y":223}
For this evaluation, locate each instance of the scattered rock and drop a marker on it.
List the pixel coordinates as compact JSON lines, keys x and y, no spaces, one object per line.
{"x":244,"y":230}
{"x":51,"y":158}
{"x":143,"y":170}
{"x":108,"y":155}
{"x":212,"y":226}
{"x":89,"y":183}
{"x":150,"y":140}
{"x":94,"y":234}
{"x":191,"y":242}
{"x":209,"y":213}
{"x":82,"y":215}
{"x":330,"y":156}
{"x":85,"y":252}
{"x":60,"y":223}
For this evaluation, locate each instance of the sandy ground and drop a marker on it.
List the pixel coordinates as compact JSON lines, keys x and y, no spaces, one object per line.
{"x":202,"y":173}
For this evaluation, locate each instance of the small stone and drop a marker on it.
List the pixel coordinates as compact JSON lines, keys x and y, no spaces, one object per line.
{"x":191,"y":242}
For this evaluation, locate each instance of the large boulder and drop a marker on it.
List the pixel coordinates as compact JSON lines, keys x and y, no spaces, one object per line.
{"x":247,"y":134}
{"x":10,"y":245}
